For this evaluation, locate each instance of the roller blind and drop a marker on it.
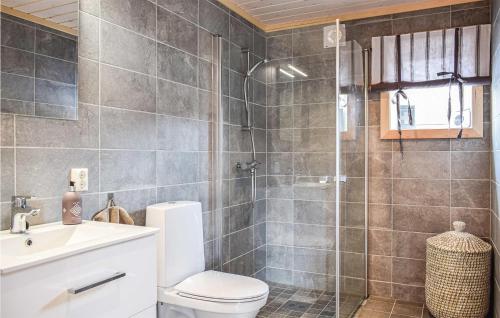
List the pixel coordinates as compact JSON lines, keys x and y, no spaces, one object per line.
{"x":351,"y":59}
{"x":464,"y":51}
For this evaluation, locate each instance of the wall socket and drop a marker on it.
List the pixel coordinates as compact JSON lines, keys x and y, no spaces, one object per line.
{"x":80,"y":176}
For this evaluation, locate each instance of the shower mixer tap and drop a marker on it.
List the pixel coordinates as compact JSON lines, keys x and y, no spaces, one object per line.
{"x":250,"y":166}
{"x":248,"y":125}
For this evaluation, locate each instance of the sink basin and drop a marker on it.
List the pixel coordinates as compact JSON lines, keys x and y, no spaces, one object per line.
{"x":52,"y":241}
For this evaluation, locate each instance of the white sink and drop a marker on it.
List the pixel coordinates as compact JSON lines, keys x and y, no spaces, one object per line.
{"x":52,"y":241}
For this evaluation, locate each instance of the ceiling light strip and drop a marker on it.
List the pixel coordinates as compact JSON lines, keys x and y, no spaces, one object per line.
{"x":287,"y":73}
{"x":296,"y":70}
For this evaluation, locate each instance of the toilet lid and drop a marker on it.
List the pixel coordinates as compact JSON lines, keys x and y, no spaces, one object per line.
{"x":223,"y":286}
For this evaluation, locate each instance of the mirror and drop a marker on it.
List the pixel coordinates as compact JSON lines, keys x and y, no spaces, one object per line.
{"x":39,"y":56}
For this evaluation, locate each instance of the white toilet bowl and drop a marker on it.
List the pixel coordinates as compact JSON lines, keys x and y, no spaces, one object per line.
{"x":185,"y":289}
{"x":213,"y":294}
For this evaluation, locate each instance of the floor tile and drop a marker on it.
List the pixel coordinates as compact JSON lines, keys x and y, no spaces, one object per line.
{"x":379,"y":305}
{"x":288,"y":301}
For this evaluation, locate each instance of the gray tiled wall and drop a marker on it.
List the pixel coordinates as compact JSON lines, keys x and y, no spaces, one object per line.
{"x":437,"y":182}
{"x":495,"y":178}
{"x":38,"y":69}
{"x":143,"y":123}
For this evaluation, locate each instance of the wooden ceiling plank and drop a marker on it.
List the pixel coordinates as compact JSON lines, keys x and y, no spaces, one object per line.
{"x":39,"y":20}
{"x":305,"y":17}
{"x":65,"y":17}
{"x":344,"y":10}
{"x":231,"y":5}
{"x":285,"y":6}
{"x":263,"y":3}
{"x":14,"y":3}
{"x":326,"y":5}
{"x":71,"y":24}
{"x":270,"y":4}
{"x":55,"y":11}
{"x":321,"y":11}
{"x":41,"y":5}
{"x":354,"y":15}
{"x":294,"y":12}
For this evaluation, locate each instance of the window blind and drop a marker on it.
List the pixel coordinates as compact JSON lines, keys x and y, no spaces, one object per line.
{"x":464,"y":51}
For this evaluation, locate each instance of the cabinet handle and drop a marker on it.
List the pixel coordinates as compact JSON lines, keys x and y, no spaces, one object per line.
{"x":81,"y":289}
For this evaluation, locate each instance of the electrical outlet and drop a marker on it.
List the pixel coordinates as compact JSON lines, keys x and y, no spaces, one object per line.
{"x":80,"y":176}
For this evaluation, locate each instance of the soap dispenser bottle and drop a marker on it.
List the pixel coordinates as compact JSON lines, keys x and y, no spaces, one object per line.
{"x":71,"y":206}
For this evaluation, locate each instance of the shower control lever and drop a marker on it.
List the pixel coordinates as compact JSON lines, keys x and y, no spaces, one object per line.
{"x":249,"y":166}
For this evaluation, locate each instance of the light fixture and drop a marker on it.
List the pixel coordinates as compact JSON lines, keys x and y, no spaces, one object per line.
{"x":297,"y":70}
{"x":286,"y":73}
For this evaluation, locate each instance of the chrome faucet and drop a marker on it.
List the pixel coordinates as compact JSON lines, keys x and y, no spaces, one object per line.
{"x":20,"y":210}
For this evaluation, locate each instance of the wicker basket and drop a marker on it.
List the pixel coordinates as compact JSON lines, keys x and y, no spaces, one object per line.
{"x":457,"y":281}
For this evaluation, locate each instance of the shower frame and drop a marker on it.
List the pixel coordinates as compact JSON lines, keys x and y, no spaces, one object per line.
{"x":218,"y":162}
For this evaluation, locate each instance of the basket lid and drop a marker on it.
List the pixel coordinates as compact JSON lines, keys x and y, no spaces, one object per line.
{"x":459,"y":241}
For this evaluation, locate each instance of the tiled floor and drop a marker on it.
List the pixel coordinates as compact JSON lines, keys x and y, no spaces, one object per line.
{"x":375,"y":307}
{"x":287,"y":301}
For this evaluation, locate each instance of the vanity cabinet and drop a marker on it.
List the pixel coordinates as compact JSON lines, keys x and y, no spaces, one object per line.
{"x":115,"y":281}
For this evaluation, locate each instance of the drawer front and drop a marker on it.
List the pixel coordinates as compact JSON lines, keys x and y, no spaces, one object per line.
{"x":148,"y":313}
{"x":43,"y":291}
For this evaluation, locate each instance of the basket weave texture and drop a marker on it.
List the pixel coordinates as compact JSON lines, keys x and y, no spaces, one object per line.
{"x":457,"y":275}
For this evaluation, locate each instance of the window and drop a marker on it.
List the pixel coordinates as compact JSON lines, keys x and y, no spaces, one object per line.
{"x":429,"y":110}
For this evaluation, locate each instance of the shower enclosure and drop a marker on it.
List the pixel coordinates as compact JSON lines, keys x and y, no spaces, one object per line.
{"x":289,"y":167}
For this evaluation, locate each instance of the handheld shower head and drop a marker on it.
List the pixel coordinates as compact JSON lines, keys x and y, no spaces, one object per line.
{"x":264,"y":61}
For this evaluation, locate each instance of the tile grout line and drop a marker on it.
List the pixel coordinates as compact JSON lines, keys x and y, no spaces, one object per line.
{"x":392,"y":309}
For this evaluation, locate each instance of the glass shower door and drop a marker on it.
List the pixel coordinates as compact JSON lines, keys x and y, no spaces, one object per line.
{"x":307,"y":239}
{"x":351,"y":172}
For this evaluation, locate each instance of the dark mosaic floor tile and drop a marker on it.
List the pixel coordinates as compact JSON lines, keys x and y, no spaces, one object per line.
{"x":296,"y":306}
{"x":288,"y":301}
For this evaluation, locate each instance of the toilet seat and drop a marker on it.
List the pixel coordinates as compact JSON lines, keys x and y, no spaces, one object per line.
{"x":217,"y":292}
{"x":246,"y":300}
{"x":222,"y":287}
{"x":171,"y":297}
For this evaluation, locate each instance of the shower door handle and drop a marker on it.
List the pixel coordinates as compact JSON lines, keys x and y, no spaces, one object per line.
{"x":341,"y":178}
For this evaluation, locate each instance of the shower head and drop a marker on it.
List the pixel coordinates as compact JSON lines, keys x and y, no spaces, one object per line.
{"x":264,"y":61}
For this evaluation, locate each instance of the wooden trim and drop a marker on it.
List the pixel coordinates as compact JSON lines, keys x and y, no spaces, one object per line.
{"x":475,"y":132}
{"x":431,"y":134}
{"x":35,"y":19}
{"x":353,"y":15}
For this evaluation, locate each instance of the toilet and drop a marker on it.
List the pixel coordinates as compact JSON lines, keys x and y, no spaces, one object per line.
{"x":185,"y":289}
